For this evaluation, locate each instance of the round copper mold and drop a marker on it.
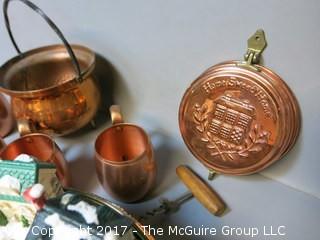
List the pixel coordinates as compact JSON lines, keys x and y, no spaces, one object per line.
{"x":237,"y":120}
{"x":43,"y":148}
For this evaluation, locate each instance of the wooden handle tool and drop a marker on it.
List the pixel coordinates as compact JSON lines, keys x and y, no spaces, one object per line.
{"x":201,"y":191}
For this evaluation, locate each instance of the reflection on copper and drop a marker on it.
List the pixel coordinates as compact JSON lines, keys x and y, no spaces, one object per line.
{"x":43,"y":148}
{"x":2,"y":144}
{"x":45,"y":92}
{"x":52,"y":88}
{"x":6,"y":118}
{"x":125,"y":160}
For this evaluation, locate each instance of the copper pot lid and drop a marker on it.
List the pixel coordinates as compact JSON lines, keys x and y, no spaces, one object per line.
{"x":239,"y":117}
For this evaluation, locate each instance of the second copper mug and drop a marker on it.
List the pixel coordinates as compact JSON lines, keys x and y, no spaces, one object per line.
{"x":124,"y":159}
{"x":42,"y":147}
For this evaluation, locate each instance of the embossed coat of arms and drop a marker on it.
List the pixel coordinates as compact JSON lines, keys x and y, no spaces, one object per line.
{"x":228,"y":129}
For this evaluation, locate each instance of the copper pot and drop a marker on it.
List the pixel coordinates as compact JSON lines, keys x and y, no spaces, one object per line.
{"x":52,"y":88}
{"x":43,"y":148}
{"x":6,"y":118}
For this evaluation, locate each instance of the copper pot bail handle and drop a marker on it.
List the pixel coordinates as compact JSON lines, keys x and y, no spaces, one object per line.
{"x":51,"y":24}
{"x":115,"y":113}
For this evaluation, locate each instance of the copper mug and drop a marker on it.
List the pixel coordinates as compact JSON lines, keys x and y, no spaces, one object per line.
{"x":124,"y":159}
{"x":43,"y":148}
{"x":52,"y":88}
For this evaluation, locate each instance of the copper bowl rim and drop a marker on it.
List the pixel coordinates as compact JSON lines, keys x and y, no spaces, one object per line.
{"x":32,"y":135}
{"x":52,"y":89}
{"x":147,"y":151}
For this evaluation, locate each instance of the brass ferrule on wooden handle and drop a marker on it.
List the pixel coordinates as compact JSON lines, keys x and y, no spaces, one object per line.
{"x":201,"y":191}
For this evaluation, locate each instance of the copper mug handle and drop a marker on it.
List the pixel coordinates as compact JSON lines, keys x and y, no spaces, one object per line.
{"x":51,"y":24}
{"x":116,"y":116}
{"x":24,"y":126}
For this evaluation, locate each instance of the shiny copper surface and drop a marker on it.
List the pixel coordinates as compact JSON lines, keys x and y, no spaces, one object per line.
{"x":52,"y":88}
{"x":43,"y":148}
{"x":6,"y":117}
{"x":237,"y":120}
{"x":2,"y":144}
{"x":46,"y":95}
{"x":125,"y":160}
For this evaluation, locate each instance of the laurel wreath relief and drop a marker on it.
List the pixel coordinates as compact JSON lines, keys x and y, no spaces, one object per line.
{"x":257,"y":137}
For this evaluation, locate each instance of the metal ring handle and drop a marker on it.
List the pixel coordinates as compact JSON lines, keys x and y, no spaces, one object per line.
{"x":50,"y":23}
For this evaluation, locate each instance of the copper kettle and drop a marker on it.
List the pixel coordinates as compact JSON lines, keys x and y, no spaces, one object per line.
{"x":52,"y":88}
